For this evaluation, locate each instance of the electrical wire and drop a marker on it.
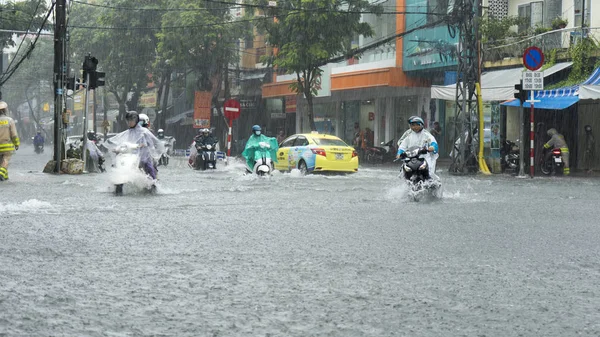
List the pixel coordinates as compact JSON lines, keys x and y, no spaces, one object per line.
{"x":10,"y":71}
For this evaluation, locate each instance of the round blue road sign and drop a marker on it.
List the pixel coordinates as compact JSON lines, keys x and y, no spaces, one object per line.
{"x":533,"y":58}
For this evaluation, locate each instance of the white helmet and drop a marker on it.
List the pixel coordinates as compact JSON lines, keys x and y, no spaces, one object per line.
{"x":144,"y":120}
{"x":160,"y":130}
{"x":3,"y":105}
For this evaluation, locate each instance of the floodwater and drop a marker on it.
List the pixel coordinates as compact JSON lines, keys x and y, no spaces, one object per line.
{"x":223,"y":254}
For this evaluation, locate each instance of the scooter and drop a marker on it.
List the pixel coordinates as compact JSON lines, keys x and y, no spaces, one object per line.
{"x":168,"y":144}
{"x":415,"y":172}
{"x":381,"y":154}
{"x":127,"y":169}
{"x":37,"y":148}
{"x":553,"y":164}
{"x":510,"y":156}
{"x":206,"y":157}
{"x":263,"y":165}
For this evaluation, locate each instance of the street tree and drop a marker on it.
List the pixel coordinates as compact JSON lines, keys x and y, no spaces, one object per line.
{"x":306,"y":33}
{"x":201,"y":38}
{"x":124,"y":42}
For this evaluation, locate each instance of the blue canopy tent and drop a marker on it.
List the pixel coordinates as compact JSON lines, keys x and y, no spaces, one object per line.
{"x":558,"y":99}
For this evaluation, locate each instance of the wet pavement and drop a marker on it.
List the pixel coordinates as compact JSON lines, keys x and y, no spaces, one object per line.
{"x":221,"y":253}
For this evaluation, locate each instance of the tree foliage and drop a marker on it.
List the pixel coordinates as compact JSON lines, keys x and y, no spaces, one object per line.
{"x":20,"y":16}
{"x":309,"y":32}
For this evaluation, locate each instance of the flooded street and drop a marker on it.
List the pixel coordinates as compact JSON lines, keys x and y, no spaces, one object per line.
{"x":224,"y":254}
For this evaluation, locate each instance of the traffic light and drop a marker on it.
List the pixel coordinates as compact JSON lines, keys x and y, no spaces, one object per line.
{"x":89,"y":66}
{"x":520,"y":93}
{"x":97,"y":79}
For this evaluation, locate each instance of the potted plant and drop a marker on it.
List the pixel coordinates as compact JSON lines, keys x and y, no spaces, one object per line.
{"x":559,"y":23}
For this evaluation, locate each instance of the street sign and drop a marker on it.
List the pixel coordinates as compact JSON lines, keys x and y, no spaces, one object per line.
{"x":533,"y":80}
{"x":533,"y":58}
{"x":231,"y":109}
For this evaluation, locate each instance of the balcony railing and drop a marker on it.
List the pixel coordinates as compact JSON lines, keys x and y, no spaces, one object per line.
{"x":559,"y":40}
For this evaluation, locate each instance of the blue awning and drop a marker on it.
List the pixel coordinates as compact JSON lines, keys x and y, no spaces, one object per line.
{"x":550,"y":103}
{"x":556,"y":99}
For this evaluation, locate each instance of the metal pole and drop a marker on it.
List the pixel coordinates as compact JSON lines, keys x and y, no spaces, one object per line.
{"x":229,"y":139}
{"x":531,"y":139}
{"x":521,"y":142}
{"x":95,"y":105}
{"x":59,"y":74}
{"x":85,"y":113}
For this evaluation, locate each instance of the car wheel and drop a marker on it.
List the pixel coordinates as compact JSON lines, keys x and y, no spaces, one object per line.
{"x":302,"y":167}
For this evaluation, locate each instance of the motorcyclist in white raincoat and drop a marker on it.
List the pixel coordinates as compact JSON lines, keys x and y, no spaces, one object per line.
{"x":150,"y":148}
{"x":421,"y":138}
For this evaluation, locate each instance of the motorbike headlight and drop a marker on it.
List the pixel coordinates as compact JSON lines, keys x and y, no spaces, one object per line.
{"x":209,"y":146}
{"x":407,"y":169}
{"x":423,"y":166}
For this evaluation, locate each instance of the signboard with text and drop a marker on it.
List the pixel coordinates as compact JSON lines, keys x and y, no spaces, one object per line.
{"x":202,"y":104}
{"x":533,"y":80}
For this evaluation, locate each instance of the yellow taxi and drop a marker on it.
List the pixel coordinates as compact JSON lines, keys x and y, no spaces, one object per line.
{"x":314,"y":152}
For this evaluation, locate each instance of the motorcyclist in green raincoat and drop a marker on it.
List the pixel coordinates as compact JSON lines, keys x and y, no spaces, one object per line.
{"x":258,"y":144}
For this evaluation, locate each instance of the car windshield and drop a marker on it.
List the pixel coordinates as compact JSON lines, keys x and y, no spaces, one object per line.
{"x":329,"y":141}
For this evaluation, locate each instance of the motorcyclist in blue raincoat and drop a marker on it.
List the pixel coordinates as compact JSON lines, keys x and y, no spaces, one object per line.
{"x":254,"y":150}
{"x":38,"y":139}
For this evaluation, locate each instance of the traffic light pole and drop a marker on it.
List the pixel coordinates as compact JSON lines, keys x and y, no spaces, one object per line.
{"x":85,"y":113}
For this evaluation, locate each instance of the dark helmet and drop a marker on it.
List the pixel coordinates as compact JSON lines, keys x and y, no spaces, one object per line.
{"x":91,"y":135}
{"x":588,"y":128}
{"x":256,"y":128}
{"x":132,"y":116}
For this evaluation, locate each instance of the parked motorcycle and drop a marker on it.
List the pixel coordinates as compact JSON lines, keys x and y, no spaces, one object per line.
{"x":127,"y":169}
{"x":510,"y":156}
{"x":380,"y":154}
{"x":206,"y":157}
{"x":553,"y":163}
{"x":415,"y":171}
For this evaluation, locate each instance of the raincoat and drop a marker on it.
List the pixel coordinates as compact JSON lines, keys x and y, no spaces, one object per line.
{"x":422,"y":139}
{"x":95,"y":156}
{"x":558,"y":141}
{"x":8,"y":134}
{"x":150,"y":148}
{"x":9,"y":142}
{"x":253,"y":151}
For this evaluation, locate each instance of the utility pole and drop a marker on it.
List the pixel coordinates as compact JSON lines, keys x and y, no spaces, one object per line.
{"x":60,"y":69}
{"x":464,"y":18}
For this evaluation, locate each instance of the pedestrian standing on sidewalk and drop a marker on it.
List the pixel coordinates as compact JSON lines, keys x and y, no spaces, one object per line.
{"x":9,"y":140}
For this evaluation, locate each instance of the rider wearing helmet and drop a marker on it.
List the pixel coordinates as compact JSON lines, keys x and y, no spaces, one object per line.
{"x":38,"y":139}
{"x":420,"y":137}
{"x":144,"y":121}
{"x":558,"y":141}
{"x":254,"y":142}
{"x":160,"y":134}
{"x":132,"y":118}
{"x":150,"y":148}
{"x":204,"y":137}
